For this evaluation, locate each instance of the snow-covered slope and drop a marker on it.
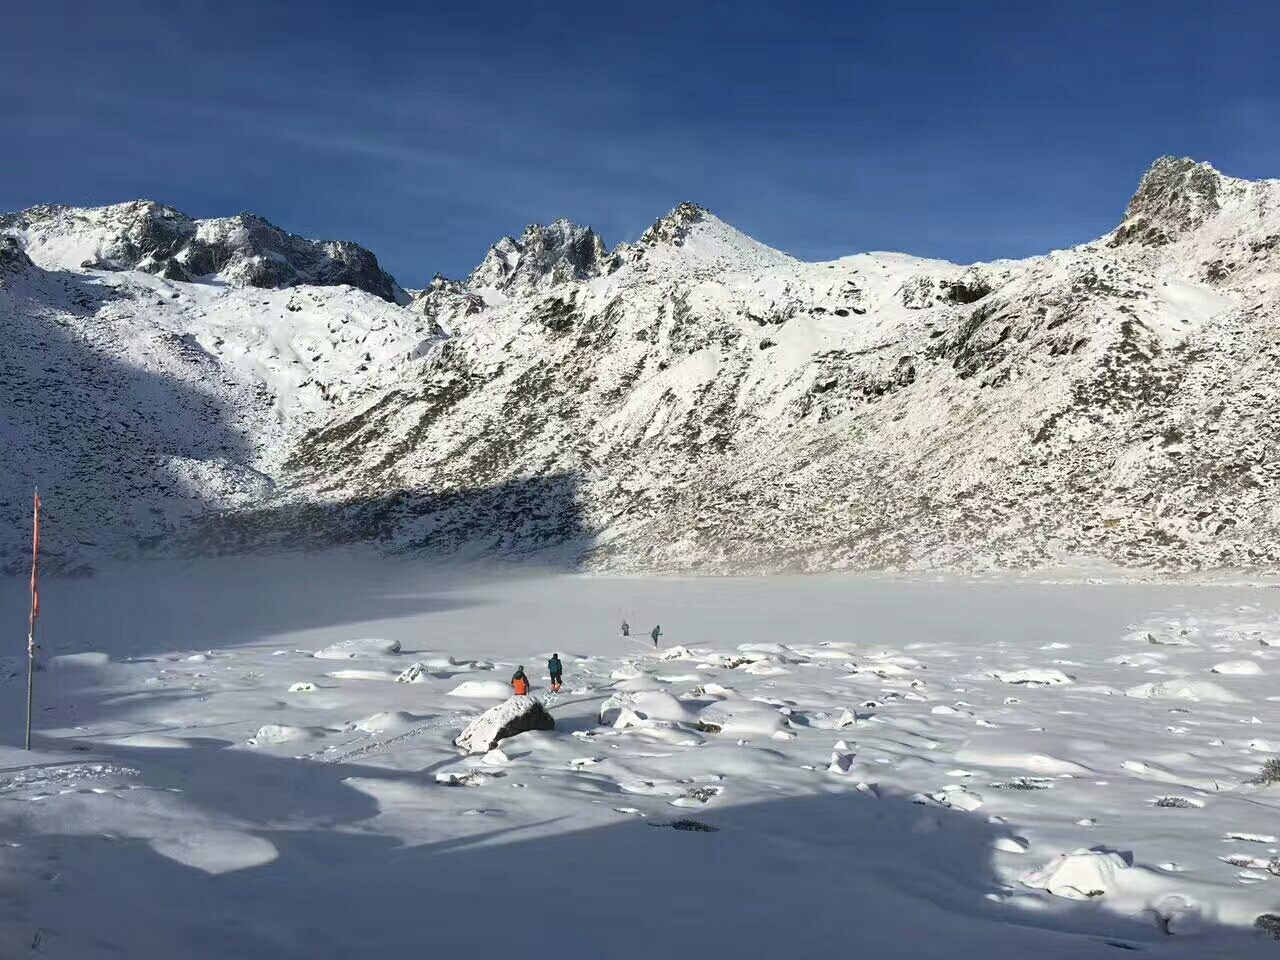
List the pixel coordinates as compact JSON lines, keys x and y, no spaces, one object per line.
{"x":136,"y":402}
{"x":697,"y":400}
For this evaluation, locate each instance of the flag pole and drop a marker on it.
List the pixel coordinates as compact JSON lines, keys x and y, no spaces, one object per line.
{"x":35,"y":611}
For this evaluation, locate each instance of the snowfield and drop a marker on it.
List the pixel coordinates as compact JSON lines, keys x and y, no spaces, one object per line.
{"x":225,"y":766}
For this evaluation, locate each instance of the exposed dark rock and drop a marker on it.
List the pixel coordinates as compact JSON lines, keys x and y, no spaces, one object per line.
{"x":1175,"y":195}
{"x":674,"y":227}
{"x":557,"y":253}
{"x":244,"y":249}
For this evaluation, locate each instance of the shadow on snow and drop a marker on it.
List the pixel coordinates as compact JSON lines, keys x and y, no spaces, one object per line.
{"x":830,"y":875}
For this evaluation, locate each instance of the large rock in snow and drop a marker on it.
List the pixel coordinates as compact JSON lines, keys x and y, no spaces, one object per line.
{"x":516,"y":715}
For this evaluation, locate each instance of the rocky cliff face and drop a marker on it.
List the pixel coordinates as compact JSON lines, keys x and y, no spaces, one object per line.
{"x":244,"y":250}
{"x":698,"y":401}
{"x":543,"y":256}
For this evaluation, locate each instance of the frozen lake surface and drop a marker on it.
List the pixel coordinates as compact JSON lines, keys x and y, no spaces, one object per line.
{"x":226,"y":766}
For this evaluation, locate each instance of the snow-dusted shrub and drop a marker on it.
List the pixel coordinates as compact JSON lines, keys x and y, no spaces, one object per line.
{"x":1269,"y":774}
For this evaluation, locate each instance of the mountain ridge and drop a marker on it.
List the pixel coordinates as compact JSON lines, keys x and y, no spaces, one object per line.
{"x":710,"y":404}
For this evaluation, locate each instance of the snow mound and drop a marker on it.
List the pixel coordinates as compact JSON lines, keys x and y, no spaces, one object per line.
{"x":303,"y":687}
{"x":1182,"y":689}
{"x":280,"y":733}
{"x":395,"y":722}
{"x":745,"y":718}
{"x":647,"y":705}
{"x":1082,"y":875}
{"x":1238,"y":668}
{"x":957,"y":797}
{"x":1038,"y":763}
{"x":358,"y":649}
{"x":1033,"y":677}
{"x":772,"y":649}
{"x":679,"y":653}
{"x":514,"y":716}
{"x":482,"y":690}
{"x":1010,"y":845}
{"x":716,"y":690}
{"x":764,"y":668}
{"x":362,"y":674}
{"x":638,"y":685}
{"x":447,"y":664}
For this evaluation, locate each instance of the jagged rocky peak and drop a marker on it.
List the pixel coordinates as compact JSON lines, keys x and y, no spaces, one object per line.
{"x":245,"y":250}
{"x":551,"y":254}
{"x":1175,"y":196}
{"x":444,"y":301}
{"x":675,"y":226}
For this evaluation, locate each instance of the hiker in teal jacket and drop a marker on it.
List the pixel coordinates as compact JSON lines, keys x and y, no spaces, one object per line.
{"x":556,"y":669}
{"x":657,"y":632}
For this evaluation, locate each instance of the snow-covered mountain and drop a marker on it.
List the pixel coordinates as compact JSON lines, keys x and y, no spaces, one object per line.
{"x":694,"y":400}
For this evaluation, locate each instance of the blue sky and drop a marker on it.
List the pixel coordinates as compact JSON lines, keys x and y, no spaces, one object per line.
{"x":426,"y":131}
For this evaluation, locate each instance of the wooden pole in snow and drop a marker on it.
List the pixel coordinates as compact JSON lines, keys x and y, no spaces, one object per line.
{"x":35,"y":610}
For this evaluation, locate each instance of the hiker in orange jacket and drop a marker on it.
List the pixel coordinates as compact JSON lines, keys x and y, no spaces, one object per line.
{"x":520,"y":682}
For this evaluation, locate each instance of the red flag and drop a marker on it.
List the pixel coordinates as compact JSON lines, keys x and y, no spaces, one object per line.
{"x":35,"y":565}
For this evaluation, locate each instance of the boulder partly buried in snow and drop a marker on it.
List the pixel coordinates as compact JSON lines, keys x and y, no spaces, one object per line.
{"x":1033,"y":677}
{"x":745,"y":718}
{"x":646,"y":705}
{"x":280,"y":733}
{"x":516,"y":715}
{"x":1238,"y":668}
{"x":1082,"y":875}
{"x":358,"y":649}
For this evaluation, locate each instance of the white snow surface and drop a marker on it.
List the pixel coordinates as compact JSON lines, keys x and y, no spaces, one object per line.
{"x":933,"y":812}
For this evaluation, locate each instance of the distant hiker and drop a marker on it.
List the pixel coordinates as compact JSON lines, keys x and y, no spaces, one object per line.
{"x":520,"y":682}
{"x":626,"y":629}
{"x":556,"y":669}
{"x":657,"y":632}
